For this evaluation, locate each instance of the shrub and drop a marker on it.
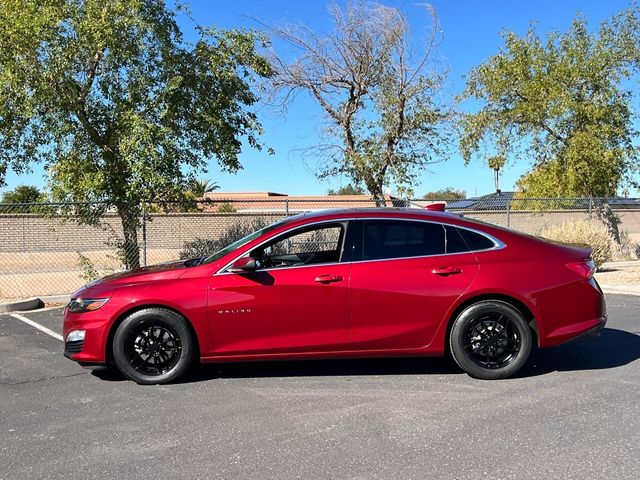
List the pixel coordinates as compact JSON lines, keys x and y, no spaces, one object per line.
{"x":593,"y":234}
{"x":89,"y":271}
{"x":203,"y":247}
{"x":226,"y":207}
{"x":200,"y":247}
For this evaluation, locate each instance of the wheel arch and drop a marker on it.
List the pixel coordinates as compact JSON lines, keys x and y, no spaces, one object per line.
{"x":501,"y":297}
{"x":136,"y":308}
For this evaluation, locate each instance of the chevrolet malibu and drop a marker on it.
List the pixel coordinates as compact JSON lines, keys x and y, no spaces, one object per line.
{"x":338,"y":284}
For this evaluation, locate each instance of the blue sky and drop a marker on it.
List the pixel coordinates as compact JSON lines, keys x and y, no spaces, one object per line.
{"x":471,"y":34}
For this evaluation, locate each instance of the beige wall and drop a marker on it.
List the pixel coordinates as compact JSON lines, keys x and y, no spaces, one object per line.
{"x":36,"y":233}
{"x":38,"y":255}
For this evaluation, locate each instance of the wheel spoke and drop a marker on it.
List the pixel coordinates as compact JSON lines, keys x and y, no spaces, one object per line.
{"x":163,"y":355}
{"x":492,"y":341}
{"x":152,"y":347}
{"x":140,"y":361}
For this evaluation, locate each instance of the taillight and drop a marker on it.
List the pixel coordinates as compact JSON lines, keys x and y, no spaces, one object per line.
{"x":585,"y":268}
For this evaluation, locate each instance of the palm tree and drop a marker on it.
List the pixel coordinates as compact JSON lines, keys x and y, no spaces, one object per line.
{"x":201,"y":186}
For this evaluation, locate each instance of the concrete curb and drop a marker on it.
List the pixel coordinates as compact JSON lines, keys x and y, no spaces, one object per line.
{"x":35,"y":303}
{"x":621,"y":290}
{"x":64,"y":299}
{"x":22,"y":305}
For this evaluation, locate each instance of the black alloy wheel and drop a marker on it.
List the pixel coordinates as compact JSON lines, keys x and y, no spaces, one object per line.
{"x":153,"y":346}
{"x":490,"y":340}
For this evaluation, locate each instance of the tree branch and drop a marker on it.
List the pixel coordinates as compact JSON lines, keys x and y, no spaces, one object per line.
{"x":93,"y":69}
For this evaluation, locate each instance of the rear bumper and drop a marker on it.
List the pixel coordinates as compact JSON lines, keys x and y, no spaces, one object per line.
{"x":590,"y":328}
{"x":575,"y":310}
{"x":591,"y":333}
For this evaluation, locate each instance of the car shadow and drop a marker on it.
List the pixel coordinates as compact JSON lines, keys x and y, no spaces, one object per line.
{"x":309,"y":368}
{"x":612,"y":349}
{"x":328,"y":368}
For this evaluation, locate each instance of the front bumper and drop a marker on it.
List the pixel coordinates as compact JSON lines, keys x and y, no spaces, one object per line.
{"x":92,"y":349}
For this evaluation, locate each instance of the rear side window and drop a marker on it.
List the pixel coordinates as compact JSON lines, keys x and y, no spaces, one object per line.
{"x":399,"y":239}
{"x":475,"y":241}
{"x":455,"y":243}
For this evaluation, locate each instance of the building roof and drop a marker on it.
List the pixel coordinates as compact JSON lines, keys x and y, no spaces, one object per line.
{"x":501,"y":200}
{"x":250,"y":202}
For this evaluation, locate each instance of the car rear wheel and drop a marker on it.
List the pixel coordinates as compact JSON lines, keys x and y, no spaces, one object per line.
{"x":153,"y":346}
{"x":490,"y":340}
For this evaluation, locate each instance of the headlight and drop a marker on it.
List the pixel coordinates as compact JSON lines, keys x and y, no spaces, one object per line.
{"x":79,"y":305}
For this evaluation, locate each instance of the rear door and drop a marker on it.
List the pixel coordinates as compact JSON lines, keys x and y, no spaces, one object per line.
{"x":404,"y":281}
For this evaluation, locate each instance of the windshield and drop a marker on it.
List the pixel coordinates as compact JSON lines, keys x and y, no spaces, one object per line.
{"x":243,"y":241}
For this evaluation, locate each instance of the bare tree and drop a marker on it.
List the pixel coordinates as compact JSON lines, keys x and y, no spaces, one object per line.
{"x":379,"y":89}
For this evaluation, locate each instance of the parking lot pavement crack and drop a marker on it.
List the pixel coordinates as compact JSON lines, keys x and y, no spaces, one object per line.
{"x":10,"y":383}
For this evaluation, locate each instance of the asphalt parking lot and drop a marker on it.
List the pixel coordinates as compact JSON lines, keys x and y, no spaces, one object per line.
{"x":574,"y":412}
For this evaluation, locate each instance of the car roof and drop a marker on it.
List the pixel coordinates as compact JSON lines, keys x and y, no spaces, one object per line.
{"x":388,"y":212}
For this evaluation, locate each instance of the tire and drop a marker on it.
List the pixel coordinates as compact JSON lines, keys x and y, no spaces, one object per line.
{"x":490,"y":340}
{"x":153,"y":346}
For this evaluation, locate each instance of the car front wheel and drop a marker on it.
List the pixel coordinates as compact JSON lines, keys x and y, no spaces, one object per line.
{"x":490,"y":340}
{"x":153,"y":346}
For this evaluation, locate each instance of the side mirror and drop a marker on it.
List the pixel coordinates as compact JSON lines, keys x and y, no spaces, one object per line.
{"x":245,"y":265}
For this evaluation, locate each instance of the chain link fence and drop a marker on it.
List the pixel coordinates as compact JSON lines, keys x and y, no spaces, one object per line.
{"x":54,"y":248}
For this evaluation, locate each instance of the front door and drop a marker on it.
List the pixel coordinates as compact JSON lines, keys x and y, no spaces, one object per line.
{"x":296,"y":303}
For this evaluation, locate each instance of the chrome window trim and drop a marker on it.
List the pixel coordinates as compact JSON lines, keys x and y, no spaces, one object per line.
{"x":300,"y":227}
{"x":498,"y":244}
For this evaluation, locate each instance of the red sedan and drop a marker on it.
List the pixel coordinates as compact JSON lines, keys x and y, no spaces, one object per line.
{"x":347,"y":283}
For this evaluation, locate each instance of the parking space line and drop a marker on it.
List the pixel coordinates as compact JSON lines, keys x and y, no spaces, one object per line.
{"x":36,"y":325}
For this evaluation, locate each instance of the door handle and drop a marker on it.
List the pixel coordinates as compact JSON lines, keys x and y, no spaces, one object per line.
{"x":445,"y":271}
{"x":328,"y":278}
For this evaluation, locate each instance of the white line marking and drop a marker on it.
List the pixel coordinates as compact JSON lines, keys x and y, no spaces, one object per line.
{"x":36,"y":325}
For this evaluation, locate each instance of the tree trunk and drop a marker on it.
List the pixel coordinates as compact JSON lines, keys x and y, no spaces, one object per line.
{"x":129,"y":249}
{"x":606,"y":215}
{"x":377,"y":193}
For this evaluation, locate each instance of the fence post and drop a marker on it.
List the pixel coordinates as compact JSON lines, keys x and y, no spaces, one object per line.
{"x":144,"y":236}
{"x":590,"y":207}
{"x":508,"y":213}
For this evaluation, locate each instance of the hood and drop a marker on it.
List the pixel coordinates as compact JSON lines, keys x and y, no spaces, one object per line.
{"x":163,"y":271}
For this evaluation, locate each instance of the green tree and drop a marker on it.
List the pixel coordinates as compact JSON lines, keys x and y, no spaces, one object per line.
{"x":201,"y":186}
{"x":349,"y":189}
{"x":119,"y":108}
{"x":446,"y":194}
{"x":561,"y":103}
{"x":378,"y":82}
{"x":496,"y":163}
{"x":23,"y":194}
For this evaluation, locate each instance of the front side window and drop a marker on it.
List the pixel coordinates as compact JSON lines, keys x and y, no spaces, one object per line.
{"x":243,"y":241}
{"x":400,"y":239}
{"x":307,"y":246}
